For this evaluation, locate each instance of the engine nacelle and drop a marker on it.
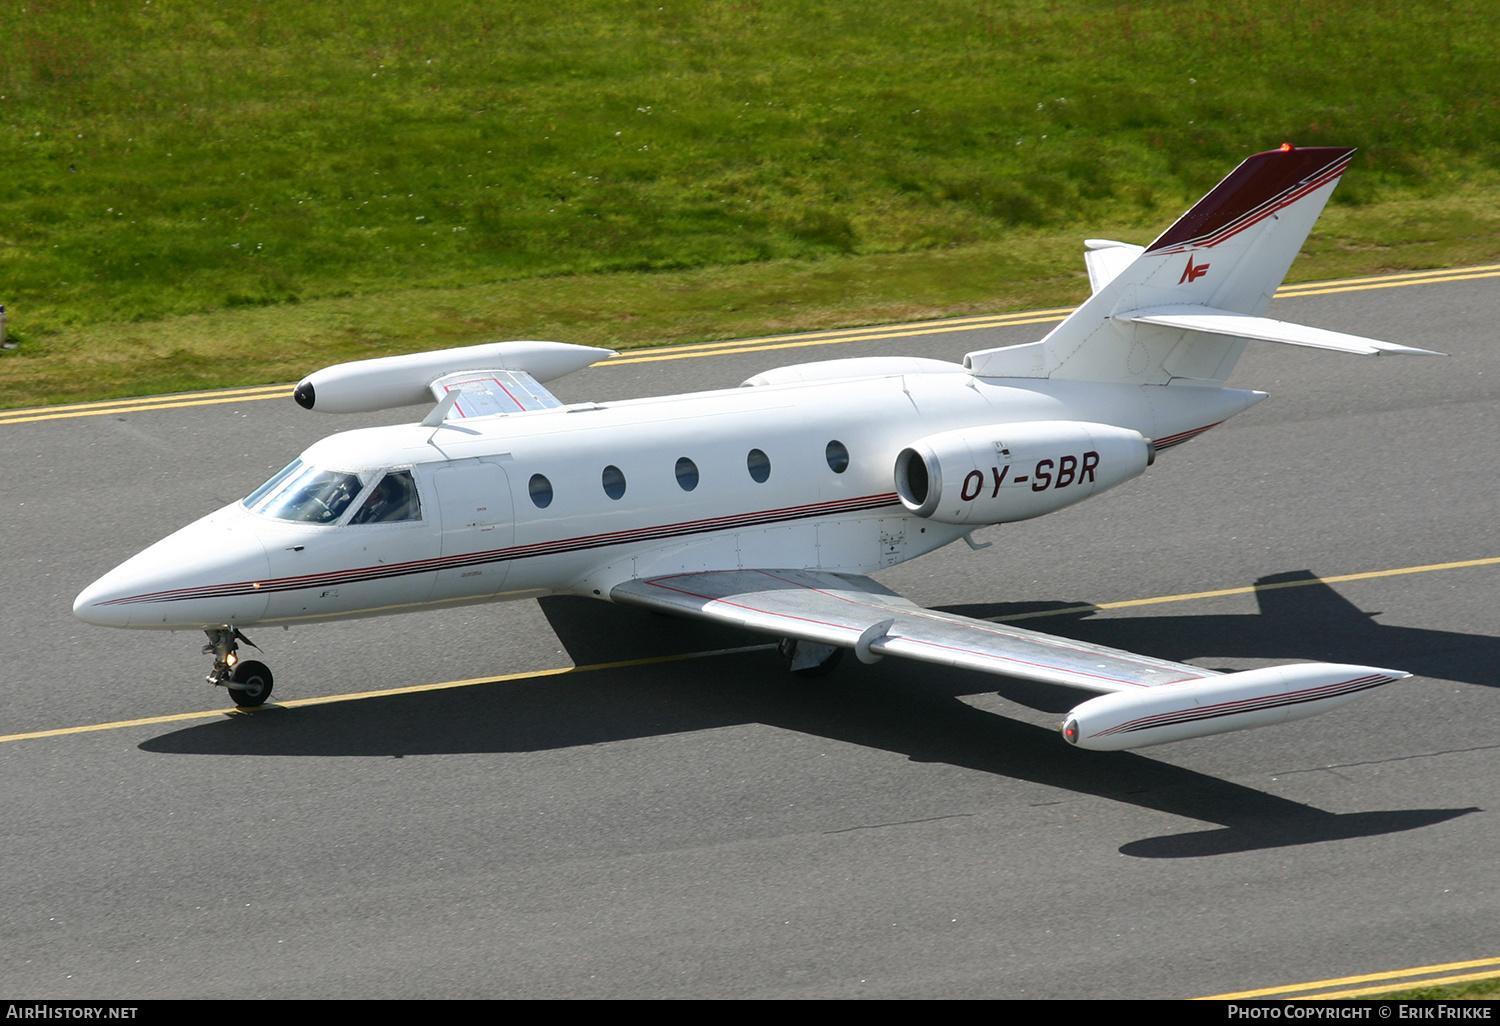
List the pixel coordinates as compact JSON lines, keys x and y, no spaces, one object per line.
{"x":364,"y":386}
{"x":1215,"y":705}
{"x":1008,"y":472}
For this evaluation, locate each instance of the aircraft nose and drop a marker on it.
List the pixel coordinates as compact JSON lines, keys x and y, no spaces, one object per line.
{"x":210,"y":572}
{"x":98,"y":603}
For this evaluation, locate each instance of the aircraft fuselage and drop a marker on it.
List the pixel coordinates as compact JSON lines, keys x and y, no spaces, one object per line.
{"x":577,"y":499}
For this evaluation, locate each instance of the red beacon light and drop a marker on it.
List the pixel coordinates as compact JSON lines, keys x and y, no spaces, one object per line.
{"x":1286,"y":147}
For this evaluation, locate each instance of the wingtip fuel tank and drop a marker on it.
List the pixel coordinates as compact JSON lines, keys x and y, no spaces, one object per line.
{"x":364,"y":386}
{"x":1216,"y":705}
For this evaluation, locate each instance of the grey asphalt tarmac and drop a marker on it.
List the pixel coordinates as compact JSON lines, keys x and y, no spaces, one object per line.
{"x":711,"y":827}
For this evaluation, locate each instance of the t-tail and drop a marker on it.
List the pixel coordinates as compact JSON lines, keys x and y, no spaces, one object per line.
{"x":1181,"y":310}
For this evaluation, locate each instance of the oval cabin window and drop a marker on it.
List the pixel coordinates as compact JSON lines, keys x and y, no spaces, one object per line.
{"x":614,"y":482}
{"x":541,"y":491}
{"x":759,"y":465}
{"x":837,"y":456}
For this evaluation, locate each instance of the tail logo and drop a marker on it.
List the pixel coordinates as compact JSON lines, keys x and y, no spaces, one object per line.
{"x":1190,"y":273}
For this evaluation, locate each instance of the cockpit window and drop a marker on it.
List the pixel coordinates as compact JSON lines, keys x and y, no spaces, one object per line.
{"x":305,"y":493}
{"x":393,"y":498}
{"x":270,"y":486}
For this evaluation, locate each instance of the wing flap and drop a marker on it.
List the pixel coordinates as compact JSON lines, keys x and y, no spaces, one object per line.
{"x":855,"y":612}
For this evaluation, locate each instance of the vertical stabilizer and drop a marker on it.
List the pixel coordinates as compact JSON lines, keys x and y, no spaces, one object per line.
{"x":1240,"y":240}
{"x":1224,"y":258}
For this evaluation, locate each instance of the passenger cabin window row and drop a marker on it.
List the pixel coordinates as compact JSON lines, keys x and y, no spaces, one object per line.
{"x":757,"y":463}
{"x":300,"y":492}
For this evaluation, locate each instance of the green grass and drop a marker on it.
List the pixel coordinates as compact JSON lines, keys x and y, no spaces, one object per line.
{"x":255,"y":345}
{"x":378,"y":176}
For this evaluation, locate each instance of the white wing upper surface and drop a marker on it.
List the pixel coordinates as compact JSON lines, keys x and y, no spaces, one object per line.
{"x":855,"y":612}
{"x":483,"y":393}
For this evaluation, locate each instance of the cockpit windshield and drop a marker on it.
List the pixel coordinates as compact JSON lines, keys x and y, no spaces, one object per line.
{"x":306,"y":493}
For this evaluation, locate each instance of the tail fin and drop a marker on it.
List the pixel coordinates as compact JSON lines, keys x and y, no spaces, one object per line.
{"x":1181,"y":309}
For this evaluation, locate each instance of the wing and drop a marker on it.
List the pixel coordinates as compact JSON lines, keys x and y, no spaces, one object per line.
{"x":1133,"y":708}
{"x":482,"y":393}
{"x":854,"y":612}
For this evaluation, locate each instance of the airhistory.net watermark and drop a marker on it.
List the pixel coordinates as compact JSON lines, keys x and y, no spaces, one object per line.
{"x":47,"y":1010}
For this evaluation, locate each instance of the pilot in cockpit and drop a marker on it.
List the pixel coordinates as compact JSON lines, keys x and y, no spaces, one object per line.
{"x":393,"y":498}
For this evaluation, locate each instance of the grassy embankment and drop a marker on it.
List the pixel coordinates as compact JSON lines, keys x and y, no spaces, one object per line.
{"x":201,"y":194}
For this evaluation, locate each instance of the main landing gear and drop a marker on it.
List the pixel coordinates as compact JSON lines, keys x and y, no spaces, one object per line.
{"x":808,"y":659}
{"x":249,"y":682}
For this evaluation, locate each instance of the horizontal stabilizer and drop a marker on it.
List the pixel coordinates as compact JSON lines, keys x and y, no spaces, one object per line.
{"x":1106,"y":259}
{"x":1264,"y":329}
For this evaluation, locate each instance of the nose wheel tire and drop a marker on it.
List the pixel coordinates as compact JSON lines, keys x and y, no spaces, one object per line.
{"x":250,"y":684}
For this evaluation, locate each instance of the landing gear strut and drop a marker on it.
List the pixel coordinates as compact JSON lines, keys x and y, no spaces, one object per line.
{"x":249,"y":683}
{"x":808,"y":659}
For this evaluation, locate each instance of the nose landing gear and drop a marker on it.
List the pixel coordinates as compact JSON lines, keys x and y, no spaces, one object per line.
{"x":248,"y":682}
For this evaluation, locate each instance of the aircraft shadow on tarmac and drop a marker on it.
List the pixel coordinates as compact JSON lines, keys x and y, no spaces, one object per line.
{"x":1300,"y":618}
{"x":901,"y":707}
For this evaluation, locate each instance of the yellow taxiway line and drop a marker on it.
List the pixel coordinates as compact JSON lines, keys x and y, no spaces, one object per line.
{"x":413,"y":689}
{"x":755,"y":345}
{"x":1399,"y":979}
{"x":1249,"y":589}
{"x":828,"y":338}
{"x":1388,"y":281}
{"x":145,"y":403}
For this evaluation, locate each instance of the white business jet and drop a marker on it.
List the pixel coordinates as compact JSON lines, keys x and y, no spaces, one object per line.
{"x":765,"y":506}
